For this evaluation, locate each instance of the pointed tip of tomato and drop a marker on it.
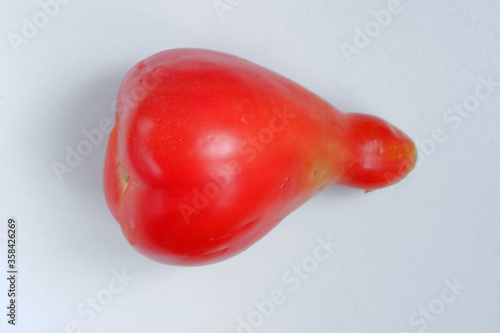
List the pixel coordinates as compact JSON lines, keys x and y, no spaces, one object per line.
{"x":382,"y":154}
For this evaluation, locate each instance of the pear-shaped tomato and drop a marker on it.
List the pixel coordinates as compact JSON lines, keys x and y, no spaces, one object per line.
{"x":210,"y":151}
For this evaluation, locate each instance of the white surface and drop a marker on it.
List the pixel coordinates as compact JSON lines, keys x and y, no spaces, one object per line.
{"x":400,"y":248}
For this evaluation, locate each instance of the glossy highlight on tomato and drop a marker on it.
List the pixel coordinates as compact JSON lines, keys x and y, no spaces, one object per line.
{"x":210,"y":152}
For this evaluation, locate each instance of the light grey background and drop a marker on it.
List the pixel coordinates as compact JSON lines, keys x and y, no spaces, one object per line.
{"x":421,"y":256}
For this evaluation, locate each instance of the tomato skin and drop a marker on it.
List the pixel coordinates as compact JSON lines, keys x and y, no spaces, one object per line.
{"x":210,"y":152}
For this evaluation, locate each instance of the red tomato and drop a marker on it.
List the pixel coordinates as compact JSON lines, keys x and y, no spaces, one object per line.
{"x":210,"y":151}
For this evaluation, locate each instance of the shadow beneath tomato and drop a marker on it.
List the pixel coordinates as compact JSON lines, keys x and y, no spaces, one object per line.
{"x":341,"y":192}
